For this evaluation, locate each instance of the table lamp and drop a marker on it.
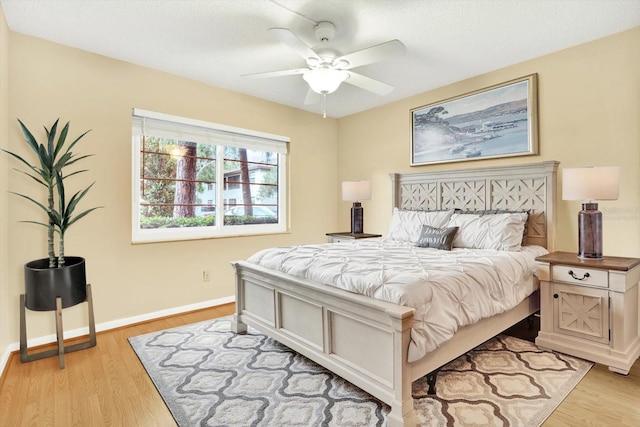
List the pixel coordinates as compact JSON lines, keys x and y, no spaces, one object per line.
{"x":589,"y":184}
{"x":355,"y":191}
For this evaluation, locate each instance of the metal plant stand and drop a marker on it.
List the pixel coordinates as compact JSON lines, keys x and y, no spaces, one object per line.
{"x":61,"y":349}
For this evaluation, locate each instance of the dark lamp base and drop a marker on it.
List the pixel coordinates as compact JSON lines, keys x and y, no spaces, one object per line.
{"x":590,"y":232}
{"x":357,"y":218}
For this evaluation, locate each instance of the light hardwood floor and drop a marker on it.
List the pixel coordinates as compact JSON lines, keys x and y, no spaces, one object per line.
{"x":107,"y":386}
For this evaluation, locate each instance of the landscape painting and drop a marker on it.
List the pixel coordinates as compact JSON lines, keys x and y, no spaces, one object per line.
{"x":499,"y":121}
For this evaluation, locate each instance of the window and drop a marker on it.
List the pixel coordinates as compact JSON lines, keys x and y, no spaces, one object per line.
{"x":195,"y":179}
{"x":232,"y":181}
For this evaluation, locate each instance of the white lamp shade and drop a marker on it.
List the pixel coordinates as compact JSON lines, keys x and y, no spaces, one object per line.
{"x":591,"y":183}
{"x":354,"y":191}
{"x":324,"y":80}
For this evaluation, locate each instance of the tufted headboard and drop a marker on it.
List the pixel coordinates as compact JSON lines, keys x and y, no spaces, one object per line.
{"x":530,"y":187}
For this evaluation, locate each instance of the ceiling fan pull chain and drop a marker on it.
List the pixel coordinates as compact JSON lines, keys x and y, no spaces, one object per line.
{"x":324,"y":105}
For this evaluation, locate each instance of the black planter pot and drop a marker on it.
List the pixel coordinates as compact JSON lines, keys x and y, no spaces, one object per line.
{"x":42,"y":285}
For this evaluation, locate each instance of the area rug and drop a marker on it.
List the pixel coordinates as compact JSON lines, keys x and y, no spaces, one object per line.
{"x":209,"y":376}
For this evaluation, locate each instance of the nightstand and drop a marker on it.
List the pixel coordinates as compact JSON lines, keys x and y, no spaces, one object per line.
{"x":341,"y":237}
{"x":589,"y":308}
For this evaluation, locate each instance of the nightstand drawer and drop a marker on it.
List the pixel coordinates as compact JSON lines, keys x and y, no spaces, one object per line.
{"x":332,"y":239}
{"x":581,"y":276}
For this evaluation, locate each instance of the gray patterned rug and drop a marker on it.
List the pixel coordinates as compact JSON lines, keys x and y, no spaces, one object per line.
{"x":209,"y":376}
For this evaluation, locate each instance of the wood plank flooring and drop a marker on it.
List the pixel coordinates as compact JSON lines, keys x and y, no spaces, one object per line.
{"x":107,"y":386}
{"x":102,"y":386}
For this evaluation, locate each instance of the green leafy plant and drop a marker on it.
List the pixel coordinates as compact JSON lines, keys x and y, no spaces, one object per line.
{"x":49,"y":170}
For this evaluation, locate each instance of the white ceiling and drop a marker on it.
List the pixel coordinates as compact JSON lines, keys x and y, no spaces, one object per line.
{"x":217,"y":41}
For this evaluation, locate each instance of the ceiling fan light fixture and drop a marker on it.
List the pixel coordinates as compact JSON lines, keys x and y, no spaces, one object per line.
{"x":325,"y":80}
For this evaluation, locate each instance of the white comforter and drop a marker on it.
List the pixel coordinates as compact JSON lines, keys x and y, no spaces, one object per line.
{"x":448,"y":290}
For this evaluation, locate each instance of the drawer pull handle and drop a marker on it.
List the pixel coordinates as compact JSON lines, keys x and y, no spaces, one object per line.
{"x":556,"y":295}
{"x":585,"y":276}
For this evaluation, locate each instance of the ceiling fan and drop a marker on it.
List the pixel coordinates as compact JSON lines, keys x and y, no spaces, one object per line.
{"x":327,"y":68}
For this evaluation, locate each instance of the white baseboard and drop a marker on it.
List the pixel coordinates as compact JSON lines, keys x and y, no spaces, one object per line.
{"x":49,"y":339}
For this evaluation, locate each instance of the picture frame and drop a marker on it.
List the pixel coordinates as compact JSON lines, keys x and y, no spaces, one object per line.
{"x":493,"y":122}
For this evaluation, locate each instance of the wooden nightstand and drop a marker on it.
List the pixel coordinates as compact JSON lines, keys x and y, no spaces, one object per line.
{"x":589,"y":308}
{"x":340,"y":237}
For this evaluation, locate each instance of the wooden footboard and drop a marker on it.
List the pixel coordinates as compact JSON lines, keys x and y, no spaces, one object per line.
{"x":363,"y":340}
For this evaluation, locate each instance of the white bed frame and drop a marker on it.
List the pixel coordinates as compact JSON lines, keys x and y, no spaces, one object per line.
{"x":366,"y":341}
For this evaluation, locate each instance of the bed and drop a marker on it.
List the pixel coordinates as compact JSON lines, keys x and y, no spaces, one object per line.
{"x":365,"y":340}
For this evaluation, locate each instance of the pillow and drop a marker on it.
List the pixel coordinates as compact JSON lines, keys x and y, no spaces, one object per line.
{"x":406,"y":225}
{"x":439,"y":238}
{"x":525,"y":232}
{"x":502,"y":231}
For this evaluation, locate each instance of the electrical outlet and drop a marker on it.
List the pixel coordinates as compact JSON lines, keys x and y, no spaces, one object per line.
{"x":206,"y":276}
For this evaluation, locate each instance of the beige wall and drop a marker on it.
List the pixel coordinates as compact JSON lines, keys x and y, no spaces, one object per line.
{"x":589,"y":110}
{"x":94,"y":92}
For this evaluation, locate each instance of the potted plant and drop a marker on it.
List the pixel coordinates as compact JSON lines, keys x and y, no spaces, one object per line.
{"x":58,"y":275}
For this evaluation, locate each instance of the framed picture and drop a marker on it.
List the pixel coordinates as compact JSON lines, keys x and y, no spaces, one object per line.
{"x":498,"y":121}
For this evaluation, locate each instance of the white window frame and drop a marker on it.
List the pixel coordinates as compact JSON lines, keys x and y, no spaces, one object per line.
{"x":209,"y":133}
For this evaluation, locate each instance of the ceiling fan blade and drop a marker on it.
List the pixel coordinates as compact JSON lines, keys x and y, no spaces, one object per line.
{"x":371,"y":54}
{"x":294,"y":42}
{"x":276,"y":73}
{"x":368,"y":83}
{"x":312,"y":97}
